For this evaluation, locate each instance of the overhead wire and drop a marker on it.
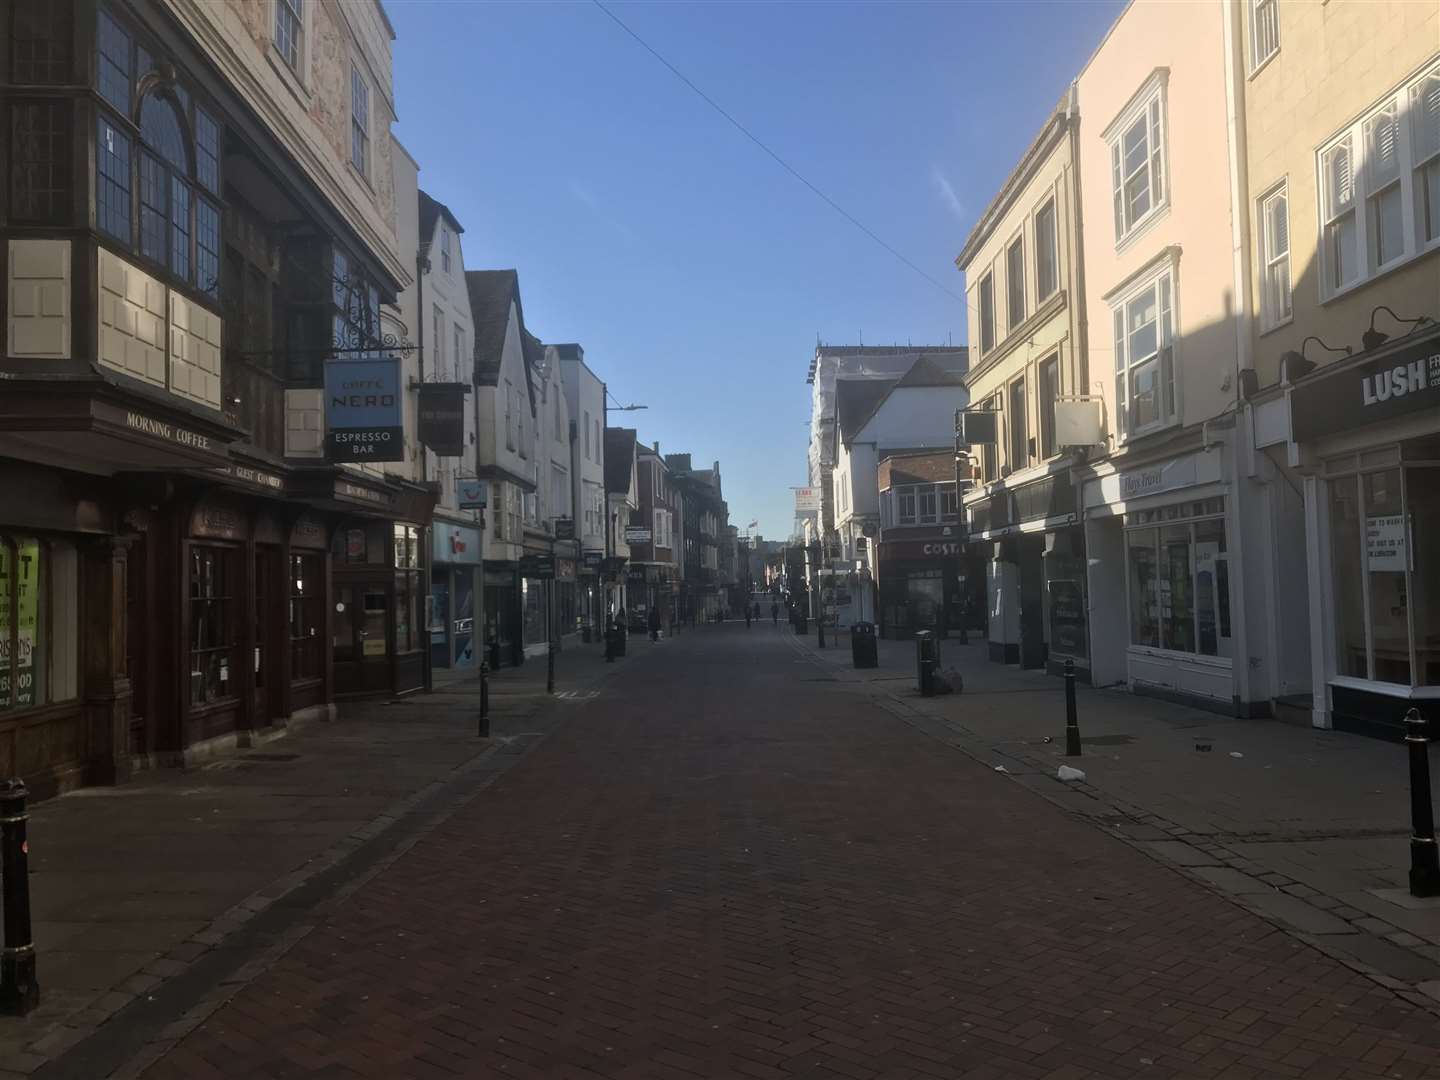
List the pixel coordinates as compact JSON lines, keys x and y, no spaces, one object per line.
{"x":851,"y":218}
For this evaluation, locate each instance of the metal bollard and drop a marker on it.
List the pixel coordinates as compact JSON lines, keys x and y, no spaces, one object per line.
{"x":1072,"y":721}
{"x":1424,"y":865}
{"x":820,"y":629}
{"x":19,"y":992}
{"x":484,"y":731}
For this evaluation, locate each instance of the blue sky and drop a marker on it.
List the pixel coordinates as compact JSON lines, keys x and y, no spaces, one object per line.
{"x":694,"y":270}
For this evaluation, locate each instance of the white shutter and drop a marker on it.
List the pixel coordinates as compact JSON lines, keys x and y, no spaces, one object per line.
{"x":1382,"y":148}
{"x":1425,"y":115}
{"x":1339,"y":179}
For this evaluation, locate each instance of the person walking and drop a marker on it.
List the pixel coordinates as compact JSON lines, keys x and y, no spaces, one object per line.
{"x":747,"y":616}
{"x":654,"y":623}
{"x":775,"y":612}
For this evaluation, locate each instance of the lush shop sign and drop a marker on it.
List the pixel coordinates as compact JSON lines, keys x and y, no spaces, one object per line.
{"x":1402,"y":381}
{"x":363,"y":420}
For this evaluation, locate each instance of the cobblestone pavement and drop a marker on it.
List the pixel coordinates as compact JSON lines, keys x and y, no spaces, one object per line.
{"x":730,"y":864}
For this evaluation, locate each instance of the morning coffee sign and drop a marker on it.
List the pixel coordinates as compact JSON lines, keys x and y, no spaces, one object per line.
{"x":363,"y":419}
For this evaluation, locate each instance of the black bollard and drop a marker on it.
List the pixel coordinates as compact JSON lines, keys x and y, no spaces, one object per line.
{"x":550,"y":669}
{"x":19,"y":992}
{"x":1424,"y":865}
{"x":484,"y":730}
{"x":820,"y":628}
{"x":1072,"y":722}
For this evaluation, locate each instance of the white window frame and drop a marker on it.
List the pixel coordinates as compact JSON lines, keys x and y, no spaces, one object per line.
{"x":1149,"y":106}
{"x":1276,"y":309}
{"x":444,"y":247}
{"x":923,"y":492}
{"x":1054,"y":253}
{"x":1366,"y":185}
{"x":294,"y":9}
{"x":986,"y":289}
{"x":1014,"y":318}
{"x":906,"y":491}
{"x":1264,"y":32}
{"x":437,"y":355}
{"x":460,"y":374}
{"x":509,"y":416}
{"x":1164,"y":356}
{"x":360,"y":140}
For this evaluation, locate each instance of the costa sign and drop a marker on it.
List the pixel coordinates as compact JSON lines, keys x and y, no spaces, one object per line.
{"x":919,"y":549}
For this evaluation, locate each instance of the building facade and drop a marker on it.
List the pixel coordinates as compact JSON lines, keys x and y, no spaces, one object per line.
{"x":1341,"y":158}
{"x":653,"y":569}
{"x":918,"y":547}
{"x":585,"y":398}
{"x":175,"y":574}
{"x":1024,"y":566}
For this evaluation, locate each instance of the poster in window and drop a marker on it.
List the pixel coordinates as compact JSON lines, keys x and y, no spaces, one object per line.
{"x":27,"y":600}
{"x":1385,"y":549}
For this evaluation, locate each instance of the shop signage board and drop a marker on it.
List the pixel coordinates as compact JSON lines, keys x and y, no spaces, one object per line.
{"x":363,"y":419}
{"x":537,"y":566}
{"x":1385,"y":547}
{"x":472,"y":493}
{"x":1400,"y":382}
{"x":441,"y":413}
{"x":564,"y":528}
{"x":454,"y":543}
{"x":977,"y":427}
{"x":565,"y":569}
{"x":637,"y":534}
{"x":591,"y":560}
{"x":807,"y":499}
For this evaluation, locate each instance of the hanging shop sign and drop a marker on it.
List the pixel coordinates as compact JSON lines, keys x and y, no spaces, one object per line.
{"x":1402,"y":381}
{"x":471,"y":493}
{"x":637,"y":534}
{"x":807,"y":499}
{"x":564,"y":528}
{"x":363,"y":419}
{"x":442,"y":418}
{"x":454,"y":543}
{"x":591,"y":560}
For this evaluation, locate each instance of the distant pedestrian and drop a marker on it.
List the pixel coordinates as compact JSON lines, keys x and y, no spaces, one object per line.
{"x":757,"y":610}
{"x":775,"y":612}
{"x":654,"y":624}
{"x":747,"y":616}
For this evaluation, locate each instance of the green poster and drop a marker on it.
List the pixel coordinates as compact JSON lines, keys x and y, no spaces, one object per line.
{"x":27,"y":593}
{"x":6,"y":629}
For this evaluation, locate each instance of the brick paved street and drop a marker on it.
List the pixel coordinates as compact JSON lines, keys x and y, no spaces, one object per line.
{"x":730,"y":864}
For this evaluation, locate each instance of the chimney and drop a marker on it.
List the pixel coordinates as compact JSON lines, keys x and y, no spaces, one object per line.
{"x":657,"y":447}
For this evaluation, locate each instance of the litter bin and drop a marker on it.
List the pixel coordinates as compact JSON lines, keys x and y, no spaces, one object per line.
{"x":927,"y":661}
{"x":863,"y":650}
{"x":617,"y":640}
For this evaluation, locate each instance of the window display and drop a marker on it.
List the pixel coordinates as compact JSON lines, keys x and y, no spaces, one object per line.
{"x":1180,"y":578}
{"x":212,"y":624}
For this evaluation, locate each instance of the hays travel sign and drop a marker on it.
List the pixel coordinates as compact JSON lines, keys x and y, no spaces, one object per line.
{"x":1402,"y":381}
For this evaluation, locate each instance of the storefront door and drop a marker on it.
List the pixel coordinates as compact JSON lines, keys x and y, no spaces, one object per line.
{"x":359,"y":626}
{"x":137,"y":636}
{"x":267,"y":602}
{"x":1032,"y":601}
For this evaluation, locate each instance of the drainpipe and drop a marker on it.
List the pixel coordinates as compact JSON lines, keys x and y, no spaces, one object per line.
{"x":1242,"y":465}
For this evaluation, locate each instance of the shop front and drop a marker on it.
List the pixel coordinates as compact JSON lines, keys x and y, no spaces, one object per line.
{"x":1157,"y":543}
{"x":455,"y":587}
{"x":919,"y":582}
{"x":590,"y":596}
{"x":502,"y":614}
{"x":1365,"y":434}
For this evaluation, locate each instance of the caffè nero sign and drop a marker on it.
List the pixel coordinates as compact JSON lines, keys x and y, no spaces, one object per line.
{"x":1403,"y":381}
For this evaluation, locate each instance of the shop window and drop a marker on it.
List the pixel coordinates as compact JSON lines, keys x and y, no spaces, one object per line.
{"x":40,"y":162}
{"x":1179,"y":579}
{"x":212,"y":623}
{"x":307,"y":616}
{"x":409,"y":592}
{"x":1387,"y":617}
{"x":38,"y":622}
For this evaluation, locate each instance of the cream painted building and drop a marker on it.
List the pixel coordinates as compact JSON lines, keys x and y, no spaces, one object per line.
{"x":1026,"y":558}
{"x":1342,"y":160}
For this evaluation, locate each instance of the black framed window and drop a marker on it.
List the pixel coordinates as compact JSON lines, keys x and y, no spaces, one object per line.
{"x":307,"y":616}
{"x":174,"y":170}
{"x":112,"y":194}
{"x":1049,"y":396}
{"x":113,"y":45}
{"x":40,"y":41}
{"x":213,"y":628}
{"x":40,"y":161}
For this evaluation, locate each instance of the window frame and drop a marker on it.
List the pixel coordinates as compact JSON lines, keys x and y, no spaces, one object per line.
{"x":1017,"y":456}
{"x":1015,"y":315}
{"x":1270,"y":260}
{"x":44,"y":635}
{"x":1150,"y":104}
{"x":295,"y":10}
{"x":444,"y":246}
{"x":1047,"y":395}
{"x":360,"y":134}
{"x":1156,"y":521}
{"x":227,"y":603}
{"x":985,"y":298}
{"x":1166,"y":339}
{"x":1365,"y":187}
{"x":1257,"y":59}
{"x":1052,"y":206}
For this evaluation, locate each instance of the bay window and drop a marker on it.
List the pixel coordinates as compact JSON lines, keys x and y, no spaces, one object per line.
{"x":1144,"y":360}
{"x":1137,"y":150}
{"x":1380,"y":186}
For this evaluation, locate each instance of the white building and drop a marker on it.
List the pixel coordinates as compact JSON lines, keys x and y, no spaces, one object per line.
{"x":585,"y":397}
{"x":548,"y":604}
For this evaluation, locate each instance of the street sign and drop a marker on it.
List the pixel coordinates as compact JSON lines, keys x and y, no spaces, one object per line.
{"x":472,"y":494}
{"x":537,"y":566}
{"x":564,"y":528}
{"x":441,"y":415}
{"x":637,"y":534}
{"x":363,"y":419}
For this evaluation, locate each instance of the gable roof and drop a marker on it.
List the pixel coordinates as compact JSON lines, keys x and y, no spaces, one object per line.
{"x":856,"y":401}
{"x":430,"y":211}
{"x":619,"y":459}
{"x":491,"y":294}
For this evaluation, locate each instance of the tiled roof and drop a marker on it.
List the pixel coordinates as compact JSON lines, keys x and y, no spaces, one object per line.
{"x":430,"y":209}
{"x":925,"y":372}
{"x":856,"y":401}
